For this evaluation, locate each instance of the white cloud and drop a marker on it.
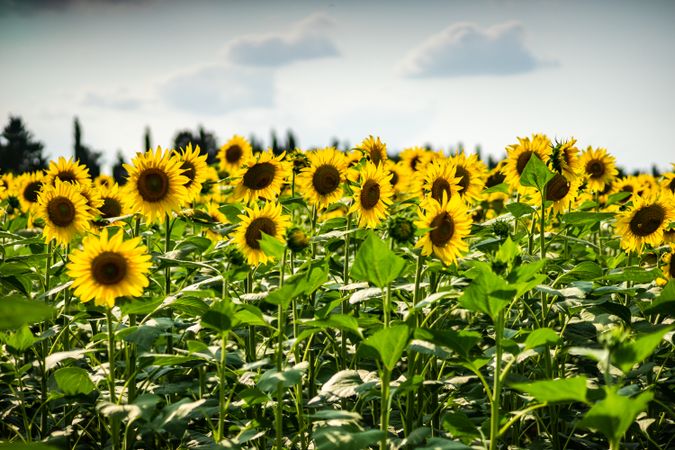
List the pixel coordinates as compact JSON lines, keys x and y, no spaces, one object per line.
{"x":464,"y":49}
{"x":119,"y":101}
{"x":219,"y":89}
{"x":306,"y":39}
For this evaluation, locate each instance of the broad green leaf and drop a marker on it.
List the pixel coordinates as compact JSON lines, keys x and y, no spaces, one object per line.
{"x":220,"y":316}
{"x":541,"y":336}
{"x":560,"y":390}
{"x":613,"y":415}
{"x":15,"y":311}
{"x":583,"y":218}
{"x":461,"y":342}
{"x":153,"y":359}
{"x":338,"y":321}
{"x":26,"y":446}
{"x":438,"y":443}
{"x":332,"y":438}
{"x":507,"y":251}
{"x":22,"y":340}
{"x":389,"y":343}
{"x":632,"y":352}
{"x":73,"y":381}
{"x":518,"y":210}
{"x":585,"y":270}
{"x":458,"y":425}
{"x":343,"y":384}
{"x":302,"y":283}
{"x":143,"y":336}
{"x":633,"y":274}
{"x":271,"y":379}
{"x":272,"y":246}
{"x":536,"y":174}
{"x":376,"y":263}
{"x":177,"y":411}
{"x":665,"y":301}
{"x":488,"y":292}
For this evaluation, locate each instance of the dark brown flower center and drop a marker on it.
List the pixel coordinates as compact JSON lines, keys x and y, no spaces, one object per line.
{"x":465,"y":178}
{"x":495,"y":179}
{"x":259,"y":176}
{"x":255,"y":230}
{"x":671,"y":267}
{"x":647,"y":220}
{"x":394,"y":178}
{"x":153,"y":185}
{"x":370,"y":194}
{"x":557,"y":188}
{"x":414,"y":162}
{"x":375,"y":155}
{"x":595,"y":168}
{"x":30,"y":193}
{"x":522,"y":161}
{"x":109,"y":268}
{"x":443,"y":229}
{"x":61,"y":211}
{"x":440,"y":186}
{"x":189,"y":171}
{"x":233,"y":154}
{"x":671,"y":185}
{"x":67,"y":176}
{"x":326,"y":179}
{"x":111,"y":208}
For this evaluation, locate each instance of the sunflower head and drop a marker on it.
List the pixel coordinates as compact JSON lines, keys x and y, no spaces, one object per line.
{"x":402,"y":229}
{"x":668,"y":182}
{"x":645,"y":222}
{"x":297,"y":240}
{"x":233,"y":153}
{"x":254,"y":222}
{"x":321,"y":183}
{"x":400,"y":176}
{"x":518,"y":155}
{"x":108,"y":267}
{"x":193,"y":165}
{"x":374,"y":149}
{"x":113,"y":204}
{"x":438,"y":180}
{"x":472,"y":174}
{"x":262,"y":176}
{"x":68,"y":171}
{"x":373,"y":195}
{"x":218,"y":218}
{"x":599,"y":168}
{"x":65,"y":212}
{"x":668,"y":267}
{"x":155,"y":185}
{"x":28,"y":189}
{"x":104,"y":181}
{"x":449,"y":223}
{"x":565,"y":159}
{"x":561,"y":192}
{"x":415,"y":158}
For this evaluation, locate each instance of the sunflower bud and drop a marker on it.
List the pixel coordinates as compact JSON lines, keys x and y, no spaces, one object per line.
{"x":401,"y":229}
{"x":501,"y":228}
{"x":297,"y":240}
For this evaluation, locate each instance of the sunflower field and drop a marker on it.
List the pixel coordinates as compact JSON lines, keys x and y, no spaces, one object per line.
{"x":326,"y":299}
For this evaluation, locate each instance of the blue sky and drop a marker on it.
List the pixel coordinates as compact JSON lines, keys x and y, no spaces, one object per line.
{"x":480,"y":72}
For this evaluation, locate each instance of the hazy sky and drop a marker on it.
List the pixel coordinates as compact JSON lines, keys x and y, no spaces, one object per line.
{"x":479,"y":72}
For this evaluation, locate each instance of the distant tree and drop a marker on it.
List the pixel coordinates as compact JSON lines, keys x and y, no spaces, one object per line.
{"x":335,"y":142}
{"x":119,"y":173}
{"x":276,"y":149}
{"x":291,"y":141}
{"x":257,"y":145}
{"x":83,"y":153}
{"x":147,"y":140}
{"x":655,"y":171}
{"x":19,"y":152}
{"x":204,"y":139}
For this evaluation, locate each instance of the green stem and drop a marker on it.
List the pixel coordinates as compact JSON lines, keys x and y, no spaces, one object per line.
{"x":344,"y":306}
{"x":115,"y":424}
{"x":167,"y":280}
{"x":497,"y":387}
{"x":221,"y":392}
{"x":384,"y":407}
{"x":280,"y":357}
{"x":43,"y":354}
{"x":410,"y":412}
{"x":387,"y":306}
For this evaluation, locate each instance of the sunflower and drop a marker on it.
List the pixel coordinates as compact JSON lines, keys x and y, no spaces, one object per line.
{"x":28,"y":189}
{"x":6,"y":185}
{"x":668,"y":182}
{"x":109,"y":267}
{"x":472,"y":174}
{"x":64,"y":210}
{"x":565,"y":159}
{"x":218,"y":218}
{"x":495,"y":178}
{"x":113,"y":202}
{"x":234,"y":153}
{"x":628,"y":184}
{"x":211,"y":187}
{"x":254,"y":222}
{"x":518,"y":155}
{"x":194,"y":169}
{"x":400,"y":176}
{"x":92,"y":196}
{"x":321,"y":183}
{"x":439,"y":179}
{"x":599,"y":168}
{"x":448,"y":222}
{"x":68,"y":171}
{"x":669,"y":265}
{"x":155,"y":186}
{"x":373,"y":195}
{"x":104,"y":181}
{"x":374,"y":149}
{"x":562,"y":192}
{"x":415,"y":158}
{"x":645,"y":222}
{"x":262,"y":176}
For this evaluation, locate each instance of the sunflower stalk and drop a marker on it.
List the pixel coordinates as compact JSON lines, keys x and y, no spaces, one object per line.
{"x":412,"y":361}
{"x":279,"y":411}
{"x":496,"y":386}
{"x":114,"y":420}
{"x":167,"y":280}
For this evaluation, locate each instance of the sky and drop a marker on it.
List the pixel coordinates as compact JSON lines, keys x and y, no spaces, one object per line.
{"x":441,"y":72}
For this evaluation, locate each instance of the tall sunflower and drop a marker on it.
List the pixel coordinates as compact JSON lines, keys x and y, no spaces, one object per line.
{"x":233,"y":153}
{"x":627,"y":184}
{"x":68,"y":171}
{"x":321,"y":183}
{"x":562,"y":192}
{"x":113,"y":202}
{"x":261,"y":176}
{"x":28,"y":189}
{"x":439,"y":179}
{"x":400,"y":176}
{"x":108,"y":267}
{"x":194,"y":166}
{"x":104,"y":181}
{"x":373,"y":195}
{"x":254,"y":222}
{"x":155,"y":186}
{"x":599,"y":168}
{"x":415,"y":158}
{"x":645,"y":222}
{"x":448,"y":222}
{"x":64,"y":210}
{"x":93,"y":197}
{"x":472,"y":174}
{"x":218,"y":218}
{"x":374,"y":149}
{"x":565,"y":159}
{"x":518,"y":155}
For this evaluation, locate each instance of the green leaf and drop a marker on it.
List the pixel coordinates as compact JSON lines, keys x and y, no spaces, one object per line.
{"x":519,"y":209}
{"x":15,"y":311}
{"x":22,"y":340}
{"x":634,"y":274}
{"x":632,"y":352}
{"x":272,"y":246}
{"x":271,"y":379}
{"x":665,"y":301}
{"x":219,"y":317}
{"x":541,"y":336}
{"x":389,"y":343}
{"x":152,"y":359}
{"x":583,"y":218}
{"x":302,"y":283}
{"x":461,"y":342}
{"x":143,"y":336}
{"x":338,"y":321}
{"x":22,"y":446}
{"x":507,"y":251}
{"x":585,"y":270}
{"x":536,"y":174}
{"x":613,"y":415}
{"x":438,"y":443}
{"x":334,"y":438}
{"x":560,"y":390}
{"x":459,"y":425}
{"x":376,"y":263}
{"x":488,"y":292}
{"x":74,"y":381}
